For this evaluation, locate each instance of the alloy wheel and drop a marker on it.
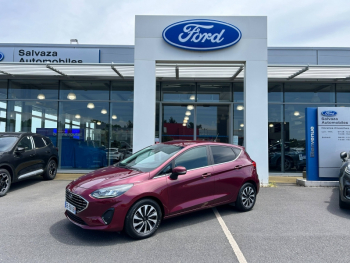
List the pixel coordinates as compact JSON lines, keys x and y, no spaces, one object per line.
{"x":248,"y":196}
{"x":4,"y":182}
{"x":52,"y":168}
{"x":145,"y":219}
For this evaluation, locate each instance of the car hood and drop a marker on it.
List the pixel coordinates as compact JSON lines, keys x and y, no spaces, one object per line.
{"x":107,"y":177}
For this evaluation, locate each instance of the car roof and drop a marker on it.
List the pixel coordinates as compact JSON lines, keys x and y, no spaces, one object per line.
{"x":186,"y":143}
{"x":15,"y":134}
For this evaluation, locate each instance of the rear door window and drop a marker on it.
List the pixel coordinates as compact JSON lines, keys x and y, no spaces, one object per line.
{"x":193,"y":158}
{"x":222,"y":154}
{"x":39,"y":142}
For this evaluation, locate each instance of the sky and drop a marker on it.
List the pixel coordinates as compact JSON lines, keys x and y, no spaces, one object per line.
{"x":291,"y":23}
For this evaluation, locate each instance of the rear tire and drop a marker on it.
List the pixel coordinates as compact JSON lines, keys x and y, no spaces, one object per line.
{"x":50,"y":170}
{"x":143,"y":219}
{"x":5,"y":182}
{"x":246,"y":197}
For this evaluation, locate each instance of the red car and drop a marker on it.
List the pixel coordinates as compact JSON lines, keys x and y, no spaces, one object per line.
{"x":159,"y":182}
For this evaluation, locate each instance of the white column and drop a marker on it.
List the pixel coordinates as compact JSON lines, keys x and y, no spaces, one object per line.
{"x":144,"y":104}
{"x":256,"y":116}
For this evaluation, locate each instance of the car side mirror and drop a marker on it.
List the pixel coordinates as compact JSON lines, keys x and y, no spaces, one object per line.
{"x":20,"y":150}
{"x":179,"y":170}
{"x":343,"y":156}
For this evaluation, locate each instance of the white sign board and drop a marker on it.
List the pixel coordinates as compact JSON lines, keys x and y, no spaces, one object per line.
{"x":333,"y":138}
{"x":56,"y":55}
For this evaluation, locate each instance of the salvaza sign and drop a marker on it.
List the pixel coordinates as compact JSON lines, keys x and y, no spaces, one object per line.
{"x":201,"y":34}
{"x":56,"y":55}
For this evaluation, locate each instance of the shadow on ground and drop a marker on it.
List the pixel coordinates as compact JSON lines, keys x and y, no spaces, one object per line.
{"x":66,"y":232}
{"x":333,"y":205}
{"x":25,"y":183}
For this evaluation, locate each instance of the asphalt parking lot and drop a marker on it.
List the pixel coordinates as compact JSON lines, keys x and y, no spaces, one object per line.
{"x":288,"y":224}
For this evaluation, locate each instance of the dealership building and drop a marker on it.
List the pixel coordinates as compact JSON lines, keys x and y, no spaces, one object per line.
{"x":180,"y":80}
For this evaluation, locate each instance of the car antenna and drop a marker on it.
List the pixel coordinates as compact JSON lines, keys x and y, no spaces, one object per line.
{"x":216,"y":137}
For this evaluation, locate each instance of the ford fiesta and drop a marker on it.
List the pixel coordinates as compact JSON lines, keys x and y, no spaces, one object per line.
{"x":159,"y":182}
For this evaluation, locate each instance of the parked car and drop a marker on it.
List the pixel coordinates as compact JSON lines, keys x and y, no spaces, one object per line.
{"x":344,"y":181}
{"x":162,"y":181}
{"x":23,"y":155}
{"x":114,"y":155}
{"x":293,"y":157}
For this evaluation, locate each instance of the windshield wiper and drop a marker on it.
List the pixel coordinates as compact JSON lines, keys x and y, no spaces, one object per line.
{"x":132,"y":168}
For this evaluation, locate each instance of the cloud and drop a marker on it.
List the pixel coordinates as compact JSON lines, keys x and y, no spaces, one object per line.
{"x":290,"y":23}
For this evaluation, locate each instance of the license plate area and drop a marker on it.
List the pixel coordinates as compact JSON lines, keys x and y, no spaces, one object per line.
{"x":71,"y":208}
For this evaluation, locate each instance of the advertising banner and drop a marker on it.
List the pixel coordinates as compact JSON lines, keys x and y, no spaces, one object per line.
{"x":333,"y":138}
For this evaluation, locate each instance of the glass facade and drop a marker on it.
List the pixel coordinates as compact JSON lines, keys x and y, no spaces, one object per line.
{"x":91,"y":122}
{"x":286,"y":127}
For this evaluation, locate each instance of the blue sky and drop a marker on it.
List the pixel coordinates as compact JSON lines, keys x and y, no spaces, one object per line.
{"x":315,"y":23}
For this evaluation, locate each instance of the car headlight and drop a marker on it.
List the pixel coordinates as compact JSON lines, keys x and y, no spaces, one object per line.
{"x":110,"y":192}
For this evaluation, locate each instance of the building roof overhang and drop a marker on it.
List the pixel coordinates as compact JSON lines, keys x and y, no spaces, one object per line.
{"x":173,"y":71}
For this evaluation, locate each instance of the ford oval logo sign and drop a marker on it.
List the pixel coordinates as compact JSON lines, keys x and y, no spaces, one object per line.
{"x":329,"y":113}
{"x":2,"y":56}
{"x":201,"y":34}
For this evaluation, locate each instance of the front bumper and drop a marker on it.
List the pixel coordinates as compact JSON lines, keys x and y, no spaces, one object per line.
{"x":91,"y":217}
{"x":344,"y":188}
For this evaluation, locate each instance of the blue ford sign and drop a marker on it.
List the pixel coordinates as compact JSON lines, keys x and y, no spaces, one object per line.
{"x":201,"y":34}
{"x":2,"y":56}
{"x":329,"y":113}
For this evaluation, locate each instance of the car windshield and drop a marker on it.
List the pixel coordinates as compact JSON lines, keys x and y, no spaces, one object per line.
{"x":7,"y":142}
{"x":150,"y":158}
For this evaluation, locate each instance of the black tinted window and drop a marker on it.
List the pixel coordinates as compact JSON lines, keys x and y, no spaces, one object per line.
{"x":194,"y":158}
{"x":47,"y":140}
{"x":25,"y":143}
{"x":6,"y":143}
{"x":222,"y":154}
{"x":39,"y":142}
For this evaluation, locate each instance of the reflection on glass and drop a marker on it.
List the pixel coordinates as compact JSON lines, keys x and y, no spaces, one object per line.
{"x":214,"y":92}
{"x":343,"y":93}
{"x":122,"y":130}
{"x":275,"y":92}
{"x":3,"y":89}
{"x":122,"y":91}
{"x":32,"y":116}
{"x":238,"y":124}
{"x":178,"y":92}
{"x":174,"y":118}
{"x":157,"y":139}
{"x":275,"y":118}
{"x":85,"y":90}
{"x":309,"y":92}
{"x":3,"y":107}
{"x":83,"y":135}
{"x":238,"y":95}
{"x":33,"y":89}
{"x":213,"y":123}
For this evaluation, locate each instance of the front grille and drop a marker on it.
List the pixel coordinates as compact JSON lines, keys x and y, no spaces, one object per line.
{"x":75,"y":218}
{"x":76,"y":200}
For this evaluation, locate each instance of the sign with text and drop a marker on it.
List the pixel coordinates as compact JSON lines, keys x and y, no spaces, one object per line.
{"x":56,"y":55}
{"x":333,"y":138}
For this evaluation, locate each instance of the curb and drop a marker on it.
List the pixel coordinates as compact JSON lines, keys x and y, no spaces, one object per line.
{"x":305,"y":183}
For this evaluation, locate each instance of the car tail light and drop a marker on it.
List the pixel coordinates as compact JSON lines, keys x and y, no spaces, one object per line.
{"x":254,"y":164}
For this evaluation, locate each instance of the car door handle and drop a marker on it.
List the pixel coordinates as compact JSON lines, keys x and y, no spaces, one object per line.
{"x":238,"y":166}
{"x":48,"y":152}
{"x":31,"y":155}
{"x":206,"y":175}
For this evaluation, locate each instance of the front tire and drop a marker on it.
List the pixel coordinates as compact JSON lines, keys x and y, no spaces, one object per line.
{"x":5,"y":182}
{"x":246,"y":197}
{"x":143,"y":219}
{"x":342,"y":204}
{"x":50,"y":171}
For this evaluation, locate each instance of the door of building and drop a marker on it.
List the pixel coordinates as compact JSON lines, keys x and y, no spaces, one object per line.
{"x":196,"y":122}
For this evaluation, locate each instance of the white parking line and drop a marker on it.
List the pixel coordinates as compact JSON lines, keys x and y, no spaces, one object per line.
{"x":230,"y":238}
